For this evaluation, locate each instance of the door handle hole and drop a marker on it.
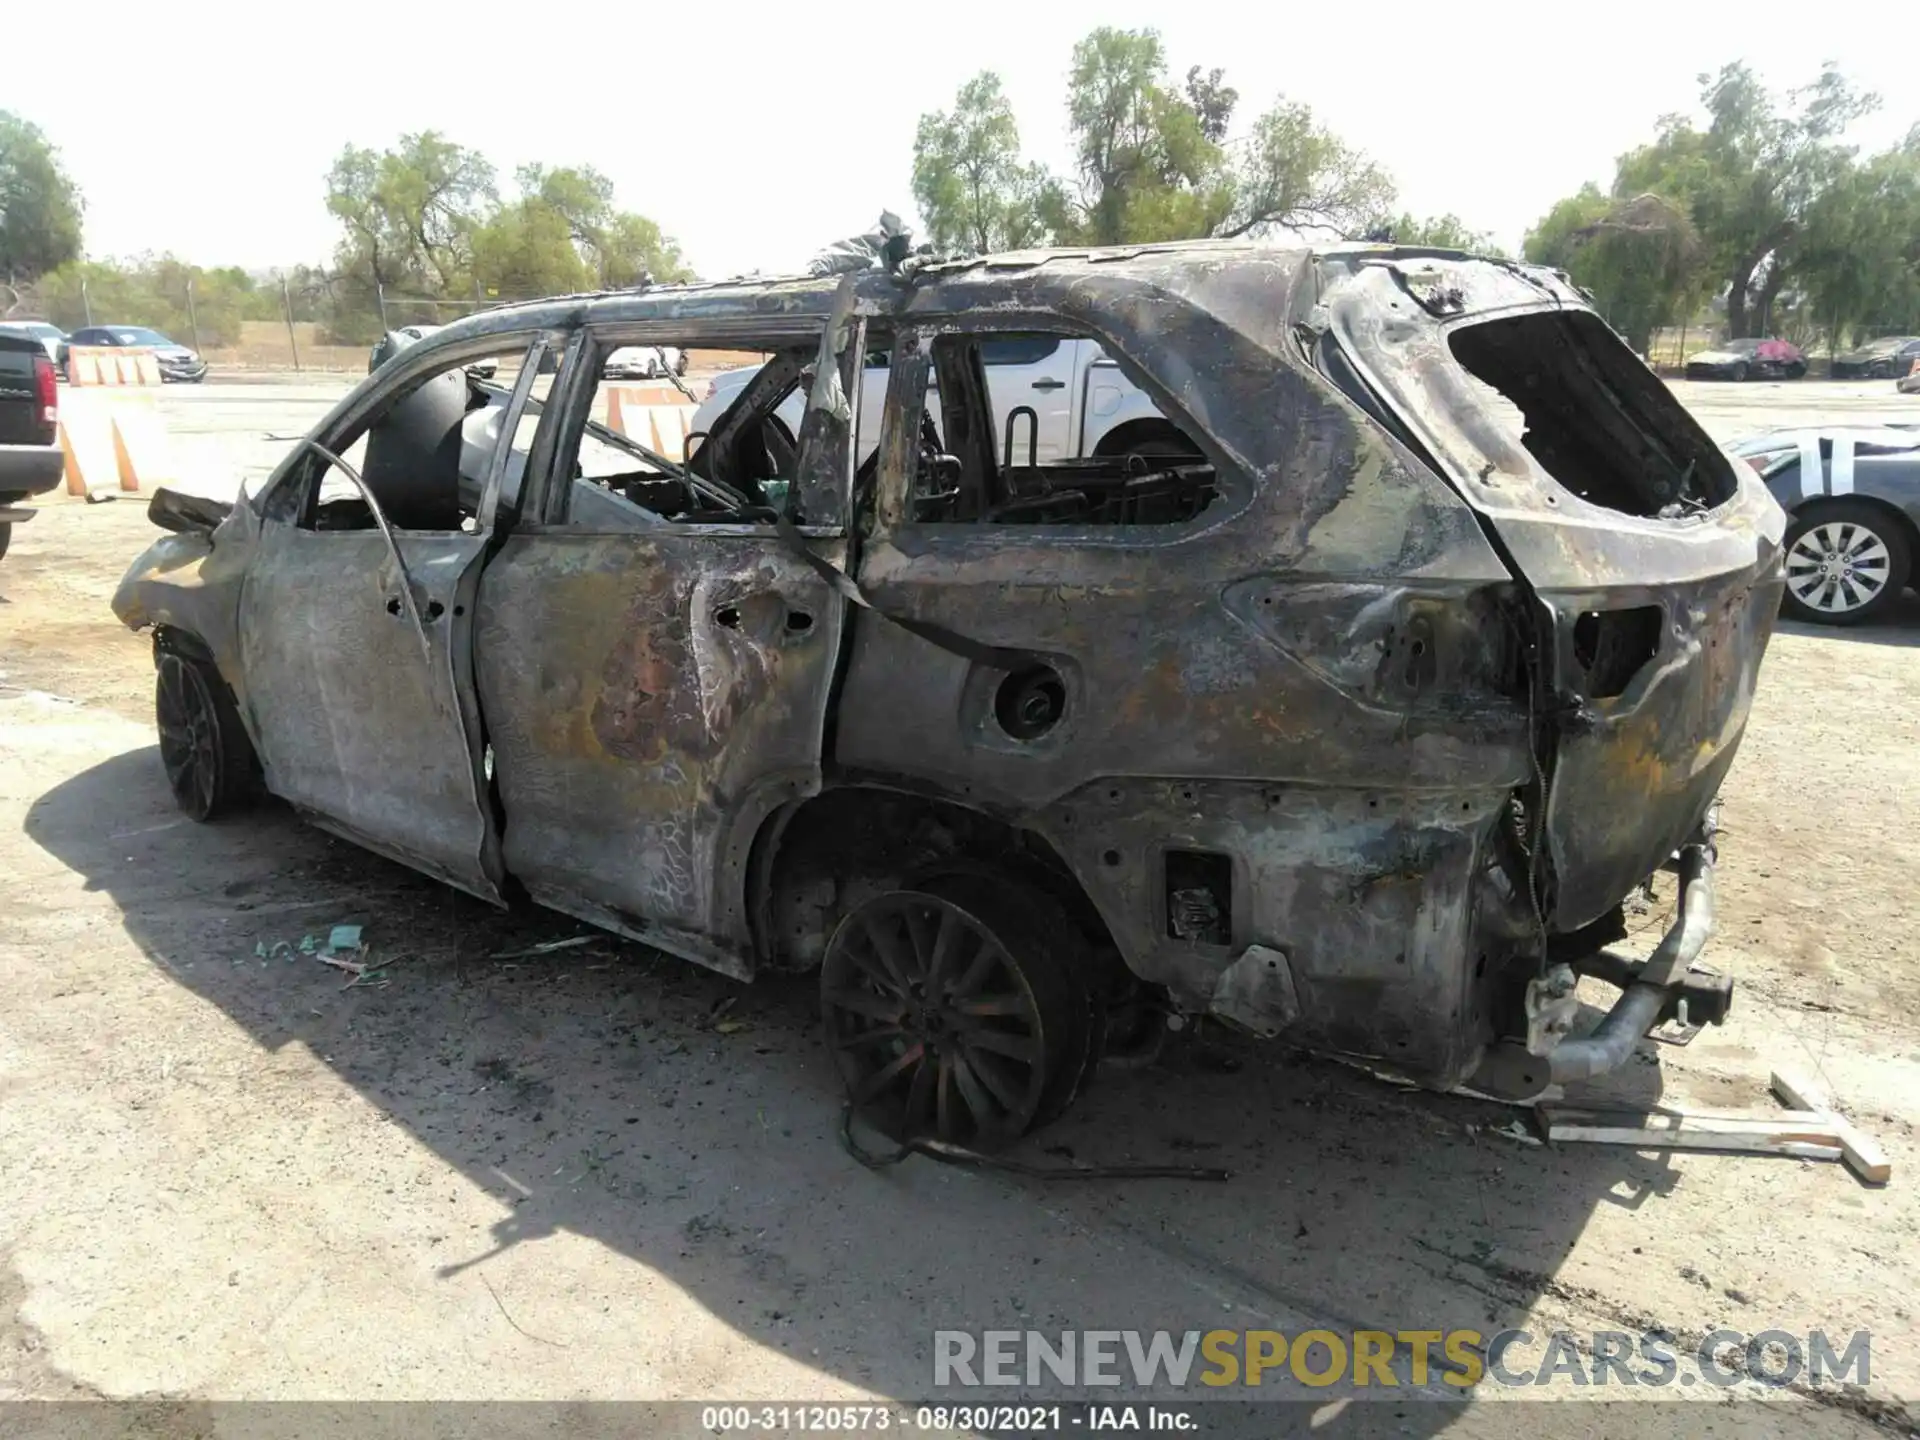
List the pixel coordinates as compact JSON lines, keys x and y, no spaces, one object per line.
{"x":727,"y":617}
{"x":435,"y":609}
{"x":799,"y":622}
{"x":393,"y":605}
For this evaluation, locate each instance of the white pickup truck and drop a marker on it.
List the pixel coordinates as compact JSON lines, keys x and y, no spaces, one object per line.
{"x":1080,"y":401}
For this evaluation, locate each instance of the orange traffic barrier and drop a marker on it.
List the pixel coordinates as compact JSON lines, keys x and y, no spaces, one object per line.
{"x":86,"y":444}
{"x":656,"y":416}
{"x":113,"y":440}
{"x":112,"y":365}
{"x":141,"y":455}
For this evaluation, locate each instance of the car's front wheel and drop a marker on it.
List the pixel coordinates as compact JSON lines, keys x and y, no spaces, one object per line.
{"x":1847,"y":562}
{"x":208,"y":758}
{"x":1738,"y":372}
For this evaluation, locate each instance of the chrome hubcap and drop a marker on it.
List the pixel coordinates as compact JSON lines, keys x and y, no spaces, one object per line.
{"x":1837,"y":567}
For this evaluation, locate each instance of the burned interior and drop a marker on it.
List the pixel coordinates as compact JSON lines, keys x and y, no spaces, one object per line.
{"x":1341,"y":695}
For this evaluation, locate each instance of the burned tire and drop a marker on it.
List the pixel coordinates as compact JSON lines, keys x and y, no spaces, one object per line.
{"x":6,"y":538}
{"x":951,"y":1013}
{"x":209,"y":760}
{"x":1847,"y":562}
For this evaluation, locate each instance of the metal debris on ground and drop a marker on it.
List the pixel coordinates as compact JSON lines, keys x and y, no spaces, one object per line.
{"x":1809,"y":1130}
{"x":950,"y":1154}
{"x":546,"y":947}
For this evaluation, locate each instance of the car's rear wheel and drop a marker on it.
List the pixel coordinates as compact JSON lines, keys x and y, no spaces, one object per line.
{"x":1739,"y":371}
{"x":950,"y":1015}
{"x":209,"y":760}
{"x":1847,"y":562}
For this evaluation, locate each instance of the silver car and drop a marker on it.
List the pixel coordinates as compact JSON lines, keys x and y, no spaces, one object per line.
{"x":1853,"y":498}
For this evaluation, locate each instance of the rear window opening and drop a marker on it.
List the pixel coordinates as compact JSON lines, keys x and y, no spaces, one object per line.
{"x":1593,"y":416}
{"x":1000,"y":429}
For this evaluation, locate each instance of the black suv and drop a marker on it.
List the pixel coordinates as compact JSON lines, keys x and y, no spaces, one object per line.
{"x":30,"y":459}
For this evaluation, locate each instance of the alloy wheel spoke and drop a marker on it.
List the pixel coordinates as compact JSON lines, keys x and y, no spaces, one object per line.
{"x":1023,"y":1048}
{"x":876,"y":1083}
{"x":920,"y":1096}
{"x":890,"y":952}
{"x":1004,"y":1092}
{"x":866,"y":1004}
{"x":972,"y":1094}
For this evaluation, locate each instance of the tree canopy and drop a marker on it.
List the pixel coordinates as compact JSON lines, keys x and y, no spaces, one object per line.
{"x":425,"y":222}
{"x":1152,"y":160}
{"x":40,"y":210}
{"x":1763,"y":204}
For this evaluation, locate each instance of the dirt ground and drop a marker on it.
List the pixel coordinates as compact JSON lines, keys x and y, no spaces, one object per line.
{"x":565,"y":1177}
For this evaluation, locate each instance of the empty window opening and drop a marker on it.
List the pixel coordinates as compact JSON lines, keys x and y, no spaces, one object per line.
{"x":1034,"y":428}
{"x":425,"y":456}
{"x":1593,"y":416}
{"x":1199,"y":897}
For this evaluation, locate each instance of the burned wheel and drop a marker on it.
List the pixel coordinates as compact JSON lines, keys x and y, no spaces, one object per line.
{"x":208,"y":759}
{"x":948,"y":1015}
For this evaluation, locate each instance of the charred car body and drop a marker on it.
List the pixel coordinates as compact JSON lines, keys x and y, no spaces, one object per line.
{"x":1353,"y":721}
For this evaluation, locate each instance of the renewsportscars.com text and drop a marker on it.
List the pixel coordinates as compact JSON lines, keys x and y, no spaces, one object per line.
{"x":1396,"y":1359}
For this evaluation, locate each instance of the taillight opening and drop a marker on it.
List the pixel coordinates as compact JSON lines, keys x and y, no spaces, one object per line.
{"x":46,"y":390}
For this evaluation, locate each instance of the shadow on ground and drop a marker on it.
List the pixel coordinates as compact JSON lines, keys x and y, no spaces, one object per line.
{"x":1900,"y":628}
{"x":592,"y":1089}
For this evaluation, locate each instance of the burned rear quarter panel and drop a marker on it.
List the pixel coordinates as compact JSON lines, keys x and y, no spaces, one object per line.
{"x":1304,"y":678}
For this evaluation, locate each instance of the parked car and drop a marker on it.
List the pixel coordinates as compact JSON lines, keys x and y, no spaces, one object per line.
{"x":51,"y":337}
{"x":1748,"y":360}
{"x":31,"y":461}
{"x":177,"y":363}
{"x":1065,"y":398}
{"x":645,"y":362}
{"x":1355,"y":720}
{"x":398,"y":339}
{"x":1890,"y":358}
{"x":1852,"y":495}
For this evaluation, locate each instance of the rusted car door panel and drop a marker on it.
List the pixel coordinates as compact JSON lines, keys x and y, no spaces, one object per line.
{"x":357,"y":722}
{"x":650,"y":699}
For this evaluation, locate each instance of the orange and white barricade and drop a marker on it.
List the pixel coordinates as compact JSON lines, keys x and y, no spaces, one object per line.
{"x":656,"y":416}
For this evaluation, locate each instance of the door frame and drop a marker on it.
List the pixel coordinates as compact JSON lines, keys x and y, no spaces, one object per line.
{"x":442,"y":626}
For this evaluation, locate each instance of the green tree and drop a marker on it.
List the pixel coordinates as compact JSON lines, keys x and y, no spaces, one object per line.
{"x":974,"y":192}
{"x":616,"y":247}
{"x":1858,"y":255}
{"x":1749,"y":179}
{"x":182,"y":300}
{"x":1641,"y":258}
{"x":1156,"y":163}
{"x":409,"y":214}
{"x":40,"y":210}
{"x":1438,"y":232}
{"x":425,"y":222}
{"x":1146,"y":168}
{"x":1292,"y":173}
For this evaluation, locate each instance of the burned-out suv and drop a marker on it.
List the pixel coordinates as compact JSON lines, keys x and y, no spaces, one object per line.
{"x":1353,"y":720}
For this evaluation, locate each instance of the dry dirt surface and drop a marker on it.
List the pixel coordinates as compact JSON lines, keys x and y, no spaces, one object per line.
{"x":598,"y":1173}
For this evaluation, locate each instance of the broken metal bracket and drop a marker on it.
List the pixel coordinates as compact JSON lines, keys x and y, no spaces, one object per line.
{"x":1257,"y":992}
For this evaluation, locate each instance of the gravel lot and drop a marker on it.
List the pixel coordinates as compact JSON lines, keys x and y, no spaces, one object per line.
{"x":553,"y":1178}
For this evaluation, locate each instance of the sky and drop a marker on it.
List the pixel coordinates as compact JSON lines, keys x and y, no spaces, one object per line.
{"x":756,"y":134}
